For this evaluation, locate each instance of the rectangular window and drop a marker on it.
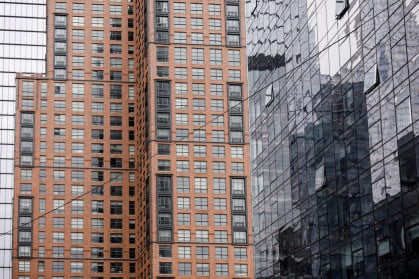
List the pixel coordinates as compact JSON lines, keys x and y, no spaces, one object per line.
{"x":182,"y":150}
{"x":162,"y":54}
{"x":181,"y":73}
{"x":181,"y":88}
{"x":233,"y":57}
{"x":202,"y":269}
{"x":181,"y":103}
{"x":184,"y":252}
{"x":184,"y":235}
{"x":220,"y":204}
{"x":201,"y":203}
{"x":216,"y":74}
{"x":180,"y":55}
{"x":180,"y":37}
{"x":216,"y":56}
{"x":200,"y":151}
{"x":214,"y":9}
{"x":202,"y":252}
{"x":198,"y":23}
{"x":183,"y":219}
{"x":179,"y":22}
{"x":234,"y":75}
{"x":199,"y":135}
{"x":221,"y":253}
{"x":197,"y":38}
{"x":197,"y":56}
{"x":97,"y":21}
{"x":179,"y":7}
{"x":220,"y":220}
{"x":198,"y":74}
{"x":215,"y":39}
{"x":196,"y":8}
{"x":182,"y":184}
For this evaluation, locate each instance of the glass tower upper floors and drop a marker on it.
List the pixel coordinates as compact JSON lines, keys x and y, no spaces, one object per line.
{"x":22,"y":49}
{"x":333,"y":104}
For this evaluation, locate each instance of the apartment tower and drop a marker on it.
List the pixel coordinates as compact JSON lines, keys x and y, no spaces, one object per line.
{"x":130,"y":152}
{"x":75,"y":174}
{"x":193,"y":84}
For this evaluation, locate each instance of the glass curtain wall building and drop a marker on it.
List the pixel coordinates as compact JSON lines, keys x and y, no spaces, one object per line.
{"x":333,"y":89}
{"x":22,"y":49}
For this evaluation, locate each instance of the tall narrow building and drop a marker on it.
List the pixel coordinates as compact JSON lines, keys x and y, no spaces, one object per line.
{"x":75,"y":175}
{"x":22,"y":49}
{"x":131,"y":151}
{"x":196,"y":202}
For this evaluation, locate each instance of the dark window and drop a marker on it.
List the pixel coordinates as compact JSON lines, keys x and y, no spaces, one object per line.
{"x":116,"y":224}
{"x":116,"y":121}
{"x":162,"y":54}
{"x":165,"y":252}
{"x":116,"y":49}
{"x":116,"y":135}
{"x":130,"y":23}
{"x":97,"y":191}
{"x":116,"y":253}
{"x":97,"y":134}
{"x":97,"y":162}
{"x":163,"y":149}
{"x":132,"y":253}
{"x":131,"y":135}
{"x":165,"y":268}
{"x":97,"y":176}
{"x":116,"y":75}
{"x":116,"y":148}
{"x":116,"y":207}
{"x":116,"y":191}
{"x":116,"y":238}
{"x":164,"y":184}
{"x":116,"y":268}
{"x":115,"y":35}
{"x":131,"y":208}
{"x":164,"y":203}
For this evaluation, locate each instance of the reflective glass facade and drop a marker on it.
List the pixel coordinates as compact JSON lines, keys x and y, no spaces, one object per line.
{"x":22,"y":49}
{"x":334,"y":125}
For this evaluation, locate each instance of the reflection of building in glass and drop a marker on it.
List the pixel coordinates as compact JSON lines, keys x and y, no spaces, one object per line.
{"x":334,"y":126}
{"x":22,"y":49}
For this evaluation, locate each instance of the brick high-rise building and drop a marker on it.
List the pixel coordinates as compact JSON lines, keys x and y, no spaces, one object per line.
{"x":75,"y":148}
{"x":193,"y":85}
{"x":131,"y":152}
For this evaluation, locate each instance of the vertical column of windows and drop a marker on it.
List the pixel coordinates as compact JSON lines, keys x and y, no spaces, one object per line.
{"x":27,"y":138}
{"x":162,"y":21}
{"x":25,"y":227}
{"x":238,"y":208}
{"x":235,"y":109}
{"x":60,"y":46}
{"x":164,"y":208}
{"x":163,"y":127}
{"x":232,"y":18}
